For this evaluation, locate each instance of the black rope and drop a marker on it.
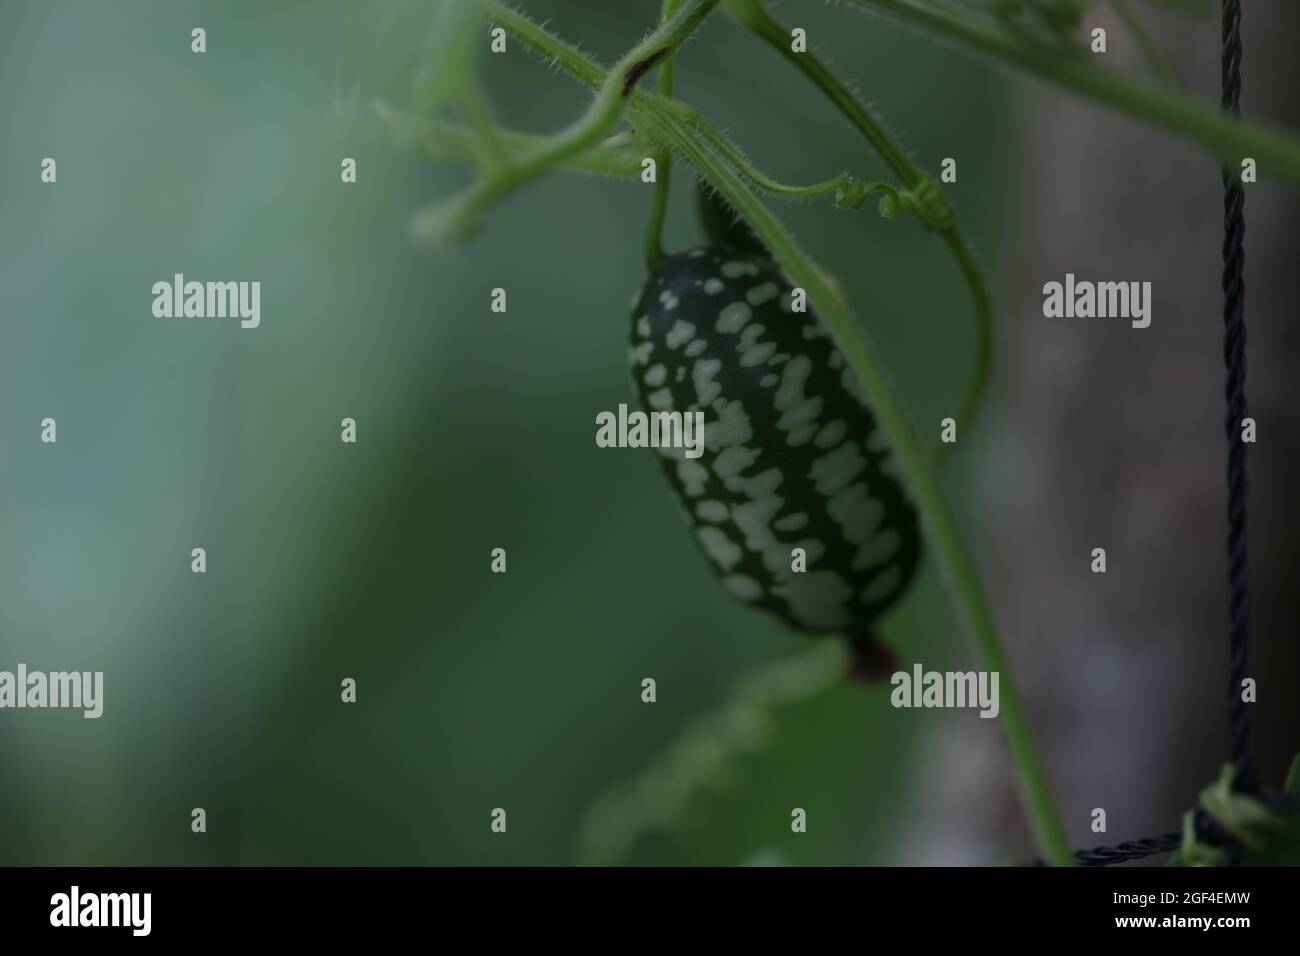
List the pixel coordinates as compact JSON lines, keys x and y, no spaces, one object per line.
{"x":1133,"y":850}
{"x":1234,"y":357}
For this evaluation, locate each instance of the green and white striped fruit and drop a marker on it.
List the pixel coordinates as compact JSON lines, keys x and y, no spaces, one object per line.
{"x":793,"y":458}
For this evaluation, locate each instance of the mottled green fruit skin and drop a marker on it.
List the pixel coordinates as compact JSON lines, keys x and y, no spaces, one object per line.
{"x":793,"y":457}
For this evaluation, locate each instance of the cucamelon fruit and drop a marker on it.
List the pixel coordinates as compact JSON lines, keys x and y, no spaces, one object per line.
{"x":792,"y":458}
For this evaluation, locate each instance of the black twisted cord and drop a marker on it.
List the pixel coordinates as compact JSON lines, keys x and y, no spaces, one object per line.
{"x":1132,"y":850}
{"x":1234,"y":356}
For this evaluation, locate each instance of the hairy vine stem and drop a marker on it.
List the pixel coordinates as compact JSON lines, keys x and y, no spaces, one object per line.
{"x":934,"y":208}
{"x":663,"y":120}
{"x":617,"y":156}
{"x":458,"y":216}
{"x":849,"y":192}
{"x":1226,"y":138}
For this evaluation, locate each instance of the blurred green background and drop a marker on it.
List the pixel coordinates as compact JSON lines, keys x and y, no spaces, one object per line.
{"x":475,"y":431}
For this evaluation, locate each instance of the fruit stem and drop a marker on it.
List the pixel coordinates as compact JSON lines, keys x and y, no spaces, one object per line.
{"x":654,"y":242}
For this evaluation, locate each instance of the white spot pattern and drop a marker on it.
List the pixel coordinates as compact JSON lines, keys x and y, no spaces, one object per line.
{"x":679,"y":334}
{"x":733,"y":318}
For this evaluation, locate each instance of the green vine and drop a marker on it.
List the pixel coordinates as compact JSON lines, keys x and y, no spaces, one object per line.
{"x":654,"y":246}
{"x":1034,"y":36}
{"x":618,"y":156}
{"x":704,"y":755}
{"x":1227,"y":139}
{"x":661,"y":119}
{"x":1266,"y":836}
{"x":921,"y":192}
{"x":458,"y":217}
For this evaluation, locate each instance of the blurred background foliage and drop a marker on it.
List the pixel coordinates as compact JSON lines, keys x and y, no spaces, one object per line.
{"x":475,"y":431}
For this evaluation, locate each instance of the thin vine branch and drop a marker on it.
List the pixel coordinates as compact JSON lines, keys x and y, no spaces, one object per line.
{"x":659,"y":115}
{"x":848,"y":191}
{"x":458,"y":216}
{"x":442,"y":139}
{"x":1227,"y":139}
{"x":934,"y":208}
